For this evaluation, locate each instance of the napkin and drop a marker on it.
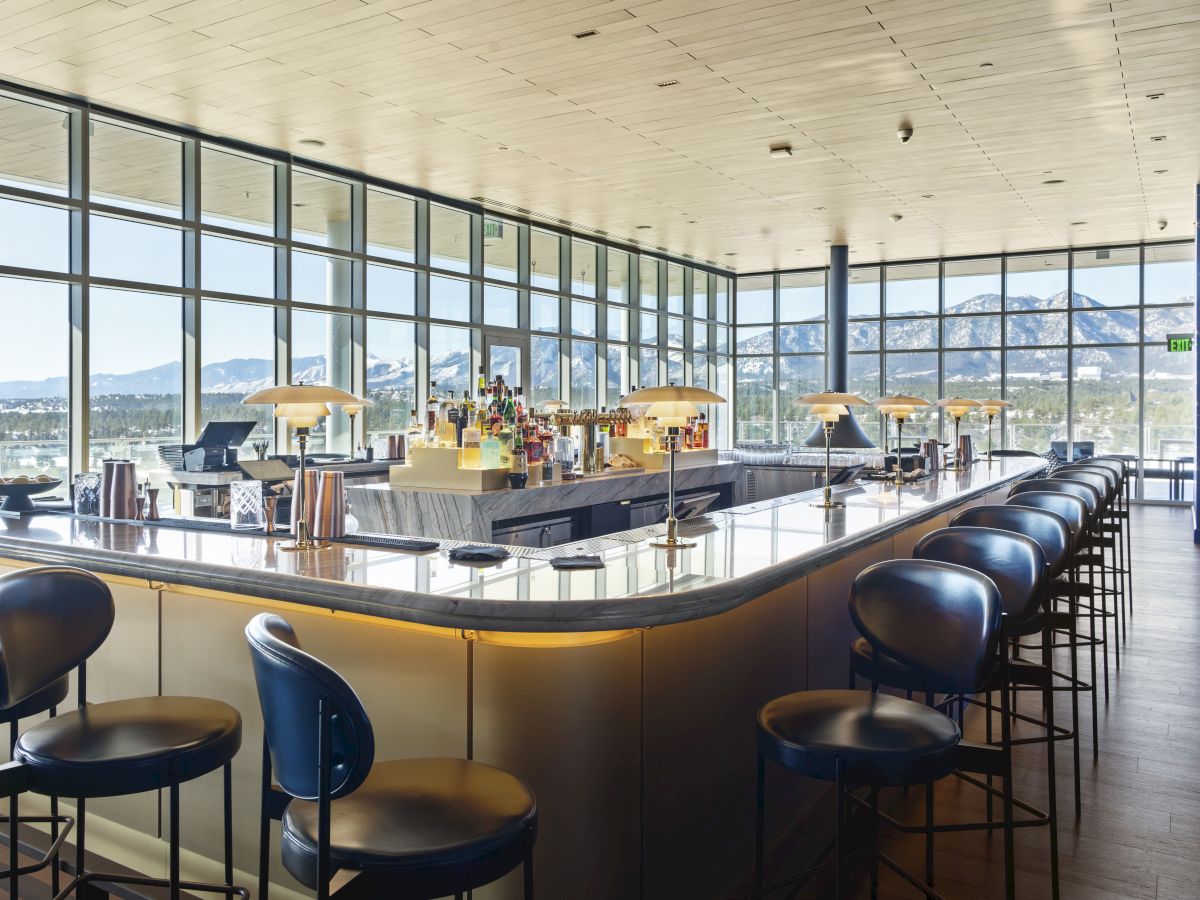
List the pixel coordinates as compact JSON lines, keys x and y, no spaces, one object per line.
{"x":577,"y":562}
{"x":478,"y":554}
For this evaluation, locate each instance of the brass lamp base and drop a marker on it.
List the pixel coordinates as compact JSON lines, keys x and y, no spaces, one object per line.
{"x":303,"y":546}
{"x":828,"y":504}
{"x":675,"y":544}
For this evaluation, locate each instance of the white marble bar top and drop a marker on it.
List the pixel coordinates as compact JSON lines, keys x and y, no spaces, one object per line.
{"x":740,"y":553}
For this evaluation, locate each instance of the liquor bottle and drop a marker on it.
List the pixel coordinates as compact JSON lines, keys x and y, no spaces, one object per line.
{"x":415,"y":436}
{"x":506,"y":445}
{"x":534,"y":448}
{"x":489,"y":452}
{"x":688,"y":438}
{"x":431,"y":415}
{"x":520,"y":403}
{"x":510,"y":409}
{"x":518,"y":461}
{"x":448,"y":422}
{"x":703,"y":431}
{"x":464,"y":415}
{"x":482,"y":384}
{"x":470,"y":457}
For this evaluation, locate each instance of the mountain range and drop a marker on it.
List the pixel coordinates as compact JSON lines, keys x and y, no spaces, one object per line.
{"x":453,"y":367}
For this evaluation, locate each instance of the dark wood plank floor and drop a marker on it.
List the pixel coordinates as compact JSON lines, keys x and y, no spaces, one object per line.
{"x":1139,"y":832}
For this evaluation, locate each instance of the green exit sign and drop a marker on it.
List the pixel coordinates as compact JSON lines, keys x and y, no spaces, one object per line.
{"x":1179,"y":343}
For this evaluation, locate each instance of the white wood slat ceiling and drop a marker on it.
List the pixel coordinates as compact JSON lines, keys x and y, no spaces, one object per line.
{"x":498,"y":99}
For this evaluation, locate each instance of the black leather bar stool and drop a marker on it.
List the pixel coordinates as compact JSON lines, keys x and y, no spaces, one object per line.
{"x":1114,"y":531}
{"x":353,"y":827}
{"x":943,"y":622}
{"x":1053,"y":534}
{"x":51,"y":621}
{"x":1105,"y":542}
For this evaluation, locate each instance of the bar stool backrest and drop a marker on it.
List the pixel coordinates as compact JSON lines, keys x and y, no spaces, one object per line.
{"x":1013,"y":561}
{"x":1051,"y":531}
{"x":1072,"y":509}
{"x":1095,"y":479}
{"x":1085,"y":492}
{"x":939,"y":619}
{"x":52,"y":619}
{"x":291,"y":686}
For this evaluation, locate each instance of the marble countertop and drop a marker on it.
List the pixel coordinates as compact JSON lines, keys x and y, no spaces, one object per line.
{"x":740,"y":553}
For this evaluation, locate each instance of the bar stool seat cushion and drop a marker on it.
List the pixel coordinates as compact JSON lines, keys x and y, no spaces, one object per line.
{"x":129,"y":746}
{"x":418,"y":821}
{"x":879,"y":739}
{"x":51,"y":695}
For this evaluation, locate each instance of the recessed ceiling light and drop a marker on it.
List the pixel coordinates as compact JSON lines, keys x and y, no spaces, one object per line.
{"x":1155,"y":96}
{"x":927,"y":196}
{"x":819,"y":208}
{"x":1158,"y":137}
{"x":644,"y":227}
{"x":986,"y":65}
{"x":310,"y":142}
{"x":693,"y":221}
{"x":591,"y":32}
{"x":895,"y":217}
{"x":501,"y":147}
{"x":1079,"y":223}
{"x":731,"y":254}
{"x":798,"y":250}
{"x":669,"y":83}
{"x":1054,"y":181}
{"x":780,"y":151}
{"x":1160,"y":171}
{"x":299,"y":205}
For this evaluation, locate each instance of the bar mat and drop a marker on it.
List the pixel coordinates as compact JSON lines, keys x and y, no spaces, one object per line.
{"x":577,"y":562}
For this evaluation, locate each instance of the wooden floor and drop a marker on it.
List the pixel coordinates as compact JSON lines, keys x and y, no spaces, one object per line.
{"x":1139,"y":832}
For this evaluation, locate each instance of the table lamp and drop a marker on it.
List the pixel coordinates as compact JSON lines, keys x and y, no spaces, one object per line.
{"x":991,"y":409}
{"x":829,"y":406}
{"x":671,"y":406}
{"x":352,"y":411}
{"x":957,"y":407}
{"x":302,"y":405}
{"x":899,"y":407}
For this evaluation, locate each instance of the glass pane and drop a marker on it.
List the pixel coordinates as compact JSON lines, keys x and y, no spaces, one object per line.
{"x":500,"y":249}
{"x":237,"y":356}
{"x":721,"y":300}
{"x":1170,"y":274}
{"x":543,"y":312}
{"x":755,"y":397}
{"x":321,"y":211}
{"x":321,"y":355}
{"x":1106,"y":327}
{"x":34,"y":376}
{"x":647,"y":368}
{"x":499,"y":306}
{"x":583,"y":268}
{"x":1107,"y":277}
{"x":544,"y":259}
{"x":618,"y":275}
{"x":972,"y":331}
{"x":801,"y":338}
{"x":1036,"y":386}
{"x":1170,"y":404}
{"x":912,"y":334}
{"x":864,"y":293}
{"x":449,"y":298}
{"x":1036,"y":328}
{"x":674,"y":332}
{"x":722,"y":339}
{"x":546,"y":371}
{"x":618,"y":324}
{"x":33,"y":236}
{"x":700,"y":335}
{"x":583,"y":375}
{"x":754,"y":339}
{"x":1105,"y":387}
{"x":755,"y":299}
{"x":798,"y":375}
{"x":1037,"y":282}
{"x":722,"y":414}
{"x":863,"y":377}
{"x":449,"y":238}
{"x":317,"y":278}
{"x":912,"y":290}
{"x":132,"y":251}
{"x":1172,"y":320}
{"x":391,"y":290}
{"x":863,"y":336}
{"x":675,"y":367}
{"x":700,"y":370}
{"x":915,"y":374}
{"x":615,"y":385}
{"x":675,"y":288}
{"x":391,"y":376}
{"x":504,"y":361}
{"x":136,"y":169}
{"x":974,"y":374}
{"x":391,"y":227}
{"x":583,"y":318}
{"x":34,"y":154}
{"x":237,"y":191}
{"x":972,"y":286}
{"x":648,"y":281}
{"x":648,"y":331}
{"x":450,"y":358}
{"x":700,"y":295}
{"x":237,"y":267}
{"x":136,"y":379}
{"x":802,"y":297}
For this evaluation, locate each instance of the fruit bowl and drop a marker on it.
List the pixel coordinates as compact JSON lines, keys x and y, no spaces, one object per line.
{"x":17,"y":494}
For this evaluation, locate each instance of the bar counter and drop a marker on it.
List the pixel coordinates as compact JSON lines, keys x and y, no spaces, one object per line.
{"x":624,"y":696}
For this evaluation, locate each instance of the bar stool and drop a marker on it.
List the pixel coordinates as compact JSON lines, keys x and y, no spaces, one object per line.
{"x":1114,"y":527}
{"x":1105,"y":541}
{"x":1053,"y":534}
{"x":945,"y":623}
{"x":354,"y":827}
{"x":51,"y":620}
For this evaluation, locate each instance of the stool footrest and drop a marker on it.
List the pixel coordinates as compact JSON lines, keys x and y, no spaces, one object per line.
{"x":224,"y":890}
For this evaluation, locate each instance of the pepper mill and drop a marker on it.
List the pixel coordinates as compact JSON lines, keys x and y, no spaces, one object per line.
{"x":152,"y":504}
{"x":270,"y":502}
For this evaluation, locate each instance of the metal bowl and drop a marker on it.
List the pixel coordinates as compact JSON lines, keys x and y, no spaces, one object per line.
{"x":17,"y":496}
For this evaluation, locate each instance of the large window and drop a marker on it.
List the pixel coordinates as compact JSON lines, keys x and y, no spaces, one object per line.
{"x":237,"y":356}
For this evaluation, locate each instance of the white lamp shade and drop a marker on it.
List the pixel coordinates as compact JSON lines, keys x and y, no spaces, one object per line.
{"x":957,"y":406}
{"x":827,"y":398}
{"x":301,"y":393}
{"x":670,"y":393}
{"x":898,"y":411}
{"x":882,"y":403}
{"x":672,"y":413}
{"x":829,"y":412}
{"x":993,"y":407}
{"x":301,"y":415}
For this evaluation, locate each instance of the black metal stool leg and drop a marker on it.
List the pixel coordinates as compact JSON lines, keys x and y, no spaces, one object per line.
{"x":874,"y":843}
{"x":228,"y":803}
{"x":1072,"y":638}
{"x":80,"y":867}
{"x":174,"y":815}
{"x":1010,"y":868}
{"x":529,"y":875}
{"x":760,"y":800}
{"x":839,"y":839}
{"x":1051,"y":777}
{"x":1095,"y":687}
{"x":13,"y":845}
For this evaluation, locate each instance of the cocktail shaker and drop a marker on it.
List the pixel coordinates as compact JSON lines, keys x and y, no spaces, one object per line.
{"x":310,"y":498}
{"x":329,"y":521}
{"x":121,"y":487}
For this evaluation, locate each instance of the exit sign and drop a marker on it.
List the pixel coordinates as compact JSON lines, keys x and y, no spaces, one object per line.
{"x":1179,"y":343}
